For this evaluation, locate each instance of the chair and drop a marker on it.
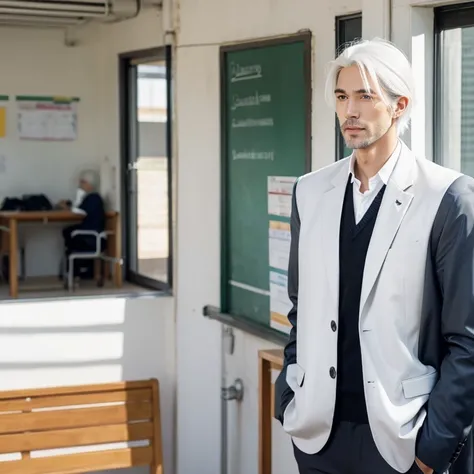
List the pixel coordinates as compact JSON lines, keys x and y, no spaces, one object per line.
{"x":98,"y":253}
{"x":3,"y":274}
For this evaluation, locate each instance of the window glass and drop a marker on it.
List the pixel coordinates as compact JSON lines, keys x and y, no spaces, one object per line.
{"x":454,"y":105}
{"x":348,"y":29}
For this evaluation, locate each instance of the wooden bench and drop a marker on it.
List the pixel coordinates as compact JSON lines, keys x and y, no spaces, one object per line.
{"x":86,"y":418}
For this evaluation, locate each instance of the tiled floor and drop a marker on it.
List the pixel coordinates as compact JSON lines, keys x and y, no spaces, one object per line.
{"x":52,"y":288}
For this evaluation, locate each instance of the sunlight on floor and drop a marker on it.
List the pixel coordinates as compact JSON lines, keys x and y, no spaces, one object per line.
{"x":52,"y":287}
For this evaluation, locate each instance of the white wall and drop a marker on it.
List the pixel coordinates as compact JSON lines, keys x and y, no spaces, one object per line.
{"x":37,"y":62}
{"x":203,"y":27}
{"x":84,"y":341}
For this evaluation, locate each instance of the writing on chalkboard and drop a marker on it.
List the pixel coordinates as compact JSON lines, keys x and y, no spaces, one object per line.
{"x":250,"y":101}
{"x":245,"y":73}
{"x":245,"y":123}
{"x":253,"y":155}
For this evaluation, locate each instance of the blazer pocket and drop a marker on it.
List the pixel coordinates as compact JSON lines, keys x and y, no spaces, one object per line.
{"x":294,"y":376}
{"x":418,"y":386}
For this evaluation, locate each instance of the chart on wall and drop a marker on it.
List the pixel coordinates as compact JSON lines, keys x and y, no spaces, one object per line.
{"x":266,"y":113}
{"x":47,"y":118}
{"x":3,"y":116}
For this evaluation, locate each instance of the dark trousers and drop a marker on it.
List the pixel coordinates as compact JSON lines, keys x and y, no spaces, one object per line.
{"x":78,"y":244}
{"x":350,"y":450}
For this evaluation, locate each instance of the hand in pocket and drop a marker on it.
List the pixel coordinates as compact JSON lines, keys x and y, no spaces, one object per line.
{"x":420,"y":467}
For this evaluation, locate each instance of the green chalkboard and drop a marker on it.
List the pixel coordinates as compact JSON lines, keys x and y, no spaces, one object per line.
{"x":266,"y":145}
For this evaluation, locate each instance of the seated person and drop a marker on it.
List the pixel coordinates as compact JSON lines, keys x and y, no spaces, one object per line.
{"x":89,"y":203}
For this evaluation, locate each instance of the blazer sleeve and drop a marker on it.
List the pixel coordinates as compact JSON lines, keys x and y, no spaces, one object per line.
{"x":283,"y":393}
{"x":450,"y":408}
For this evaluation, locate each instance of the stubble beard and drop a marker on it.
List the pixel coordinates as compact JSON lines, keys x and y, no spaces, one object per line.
{"x":364,"y":142}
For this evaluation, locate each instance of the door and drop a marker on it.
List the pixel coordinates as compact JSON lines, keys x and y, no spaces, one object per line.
{"x":146,"y":167}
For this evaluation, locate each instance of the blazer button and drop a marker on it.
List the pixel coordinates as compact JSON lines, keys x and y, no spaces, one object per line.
{"x":332,"y":372}
{"x":333,"y":326}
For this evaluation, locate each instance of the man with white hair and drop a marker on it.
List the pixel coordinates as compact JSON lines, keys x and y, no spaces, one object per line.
{"x":89,"y":203}
{"x":378,"y":373}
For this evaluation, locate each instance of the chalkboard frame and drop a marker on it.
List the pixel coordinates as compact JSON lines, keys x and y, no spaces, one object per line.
{"x":304,"y":36}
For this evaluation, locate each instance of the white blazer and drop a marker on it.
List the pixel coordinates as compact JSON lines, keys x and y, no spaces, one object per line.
{"x":397,"y":384}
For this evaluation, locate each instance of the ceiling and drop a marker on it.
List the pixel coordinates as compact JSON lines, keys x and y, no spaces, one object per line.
{"x":67,"y":13}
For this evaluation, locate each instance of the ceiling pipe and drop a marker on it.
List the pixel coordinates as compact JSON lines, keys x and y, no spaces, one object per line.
{"x":33,"y":12}
{"x":38,"y":25}
{"x":21,"y":6}
{"x":138,"y":9}
{"x":39,"y":19}
{"x":69,"y":14}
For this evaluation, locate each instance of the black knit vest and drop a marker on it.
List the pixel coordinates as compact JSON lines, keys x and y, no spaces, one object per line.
{"x":353,"y":245}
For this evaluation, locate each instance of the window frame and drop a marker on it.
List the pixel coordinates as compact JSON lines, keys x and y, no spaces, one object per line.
{"x":124,"y":61}
{"x":446,"y":17}
{"x":340,"y":41}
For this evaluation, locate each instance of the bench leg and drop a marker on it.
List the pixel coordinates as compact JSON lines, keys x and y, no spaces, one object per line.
{"x":157,"y":469}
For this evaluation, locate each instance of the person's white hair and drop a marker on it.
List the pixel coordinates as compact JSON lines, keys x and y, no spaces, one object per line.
{"x":386,"y":65}
{"x":91,"y":177}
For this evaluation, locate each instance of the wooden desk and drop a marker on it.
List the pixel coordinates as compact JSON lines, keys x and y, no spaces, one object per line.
{"x":9,"y":240}
{"x":268,"y":360}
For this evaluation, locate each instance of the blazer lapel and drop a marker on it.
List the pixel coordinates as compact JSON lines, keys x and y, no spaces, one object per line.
{"x":331,"y":210}
{"x":395,"y":203}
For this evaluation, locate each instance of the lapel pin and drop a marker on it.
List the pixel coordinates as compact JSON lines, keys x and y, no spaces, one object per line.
{"x":398,"y":203}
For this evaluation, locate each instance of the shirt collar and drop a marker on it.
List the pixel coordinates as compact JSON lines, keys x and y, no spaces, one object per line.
{"x":386,"y":171}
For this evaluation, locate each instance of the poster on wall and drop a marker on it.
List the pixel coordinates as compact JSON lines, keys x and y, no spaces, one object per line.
{"x":47,"y":118}
{"x":3,"y":115}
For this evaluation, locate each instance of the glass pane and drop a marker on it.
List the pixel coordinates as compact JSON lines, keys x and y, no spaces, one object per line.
{"x":456,"y":110}
{"x":152,"y":172}
{"x":350,"y":29}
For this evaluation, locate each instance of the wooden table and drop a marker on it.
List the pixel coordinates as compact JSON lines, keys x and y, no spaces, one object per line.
{"x":268,"y":360}
{"x":9,"y":240}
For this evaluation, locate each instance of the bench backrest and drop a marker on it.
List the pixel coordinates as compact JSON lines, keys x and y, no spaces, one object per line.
{"x":88,"y":428}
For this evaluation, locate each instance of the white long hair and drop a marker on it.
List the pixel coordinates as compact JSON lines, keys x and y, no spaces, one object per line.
{"x":386,"y":65}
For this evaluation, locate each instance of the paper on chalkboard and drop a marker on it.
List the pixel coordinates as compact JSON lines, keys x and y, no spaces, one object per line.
{"x":280,"y":189}
{"x":280,"y":303}
{"x":279,"y":237}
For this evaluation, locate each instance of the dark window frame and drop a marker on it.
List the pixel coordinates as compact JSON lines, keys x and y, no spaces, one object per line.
{"x":340,"y":42}
{"x":445,"y":18}
{"x":454,"y":16}
{"x":124,"y":60}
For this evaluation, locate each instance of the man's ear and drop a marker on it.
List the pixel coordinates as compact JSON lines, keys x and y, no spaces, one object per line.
{"x":400,"y":107}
